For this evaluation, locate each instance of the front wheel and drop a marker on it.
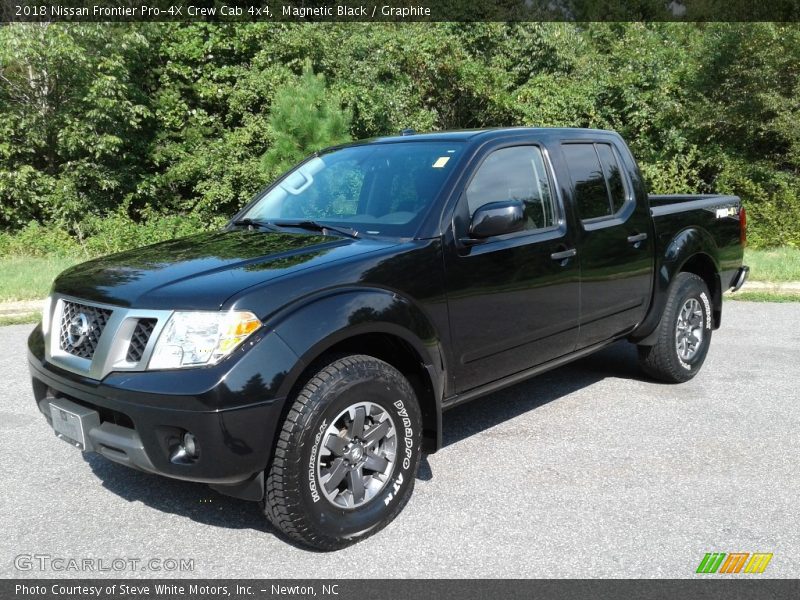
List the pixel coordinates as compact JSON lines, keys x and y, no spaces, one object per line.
{"x":347,"y":455}
{"x":684,"y":334}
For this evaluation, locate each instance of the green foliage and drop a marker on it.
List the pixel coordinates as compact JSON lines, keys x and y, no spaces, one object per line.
{"x":107,"y":128}
{"x":74,"y":122}
{"x":748,"y":84}
{"x":305,"y":118}
{"x":101,"y":235}
{"x":39,"y":240}
{"x":771,"y":199}
{"x":680,"y":173}
{"x":117,"y":232}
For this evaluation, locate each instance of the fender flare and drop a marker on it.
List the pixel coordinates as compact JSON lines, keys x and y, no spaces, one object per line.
{"x":318,"y":324}
{"x":686,"y":245}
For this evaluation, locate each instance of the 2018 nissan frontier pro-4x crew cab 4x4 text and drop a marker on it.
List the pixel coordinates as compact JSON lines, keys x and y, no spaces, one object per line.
{"x":303,"y":355}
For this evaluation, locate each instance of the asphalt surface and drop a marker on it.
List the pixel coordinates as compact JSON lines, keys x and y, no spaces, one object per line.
{"x":587,"y":471}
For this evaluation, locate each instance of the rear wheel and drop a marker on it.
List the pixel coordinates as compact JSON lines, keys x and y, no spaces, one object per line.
{"x":346,"y":456}
{"x":684,"y":334}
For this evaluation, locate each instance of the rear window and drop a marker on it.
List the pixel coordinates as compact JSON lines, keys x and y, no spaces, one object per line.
{"x":613,"y":176}
{"x":597,"y":180}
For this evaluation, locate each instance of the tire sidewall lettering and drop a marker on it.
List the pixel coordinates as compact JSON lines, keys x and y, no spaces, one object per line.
{"x":706,"y":308}
{"x":706,"y":304}
{"x":408,"y":434}
{"x":312,"y":462}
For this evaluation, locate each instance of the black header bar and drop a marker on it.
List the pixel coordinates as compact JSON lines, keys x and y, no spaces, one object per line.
{"x":706,"y":587}
{"x":397,"y":10}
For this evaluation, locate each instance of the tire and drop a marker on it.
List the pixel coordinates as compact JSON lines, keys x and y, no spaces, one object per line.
{"x":337,"y":427}
{"x":684,"y":333}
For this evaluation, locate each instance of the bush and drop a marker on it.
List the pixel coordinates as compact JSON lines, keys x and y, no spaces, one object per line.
{"x":39,"y":240}
{"x":119,"y":232}
{"x":101,"y":235}
{"x":679,"y":174}
{"x":773,"y":211}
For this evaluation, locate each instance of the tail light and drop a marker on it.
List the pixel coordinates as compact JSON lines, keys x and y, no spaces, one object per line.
{"x":743,"y":226}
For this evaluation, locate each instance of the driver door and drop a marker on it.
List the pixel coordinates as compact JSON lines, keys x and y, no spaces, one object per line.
{"x":513,"y":299}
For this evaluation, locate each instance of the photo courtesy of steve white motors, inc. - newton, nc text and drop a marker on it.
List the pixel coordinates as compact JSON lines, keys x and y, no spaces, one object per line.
{"x":432,"y":299}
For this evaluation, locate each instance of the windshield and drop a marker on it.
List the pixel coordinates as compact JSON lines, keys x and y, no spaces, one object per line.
{"x":377,"y":189}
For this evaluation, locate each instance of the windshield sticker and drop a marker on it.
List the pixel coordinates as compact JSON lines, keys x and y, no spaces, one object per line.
{"x":441,"y":162}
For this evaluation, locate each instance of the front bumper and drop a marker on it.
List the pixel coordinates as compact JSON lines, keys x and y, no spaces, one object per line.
{"x":142,"y":417}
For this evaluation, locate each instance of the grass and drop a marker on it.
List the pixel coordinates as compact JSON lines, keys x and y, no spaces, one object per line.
{"x":764,"y":296}
{"x":29,"y":278}
{"x":34,"y":317}
{"x":774,"y":265}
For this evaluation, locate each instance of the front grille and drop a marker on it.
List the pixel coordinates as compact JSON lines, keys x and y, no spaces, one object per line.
{"x":81,"y":328}
{"x":139,"y":339}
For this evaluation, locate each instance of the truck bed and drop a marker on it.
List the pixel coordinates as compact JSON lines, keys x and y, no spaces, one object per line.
{"x":663,"y":204}
{"x":707,"y":221}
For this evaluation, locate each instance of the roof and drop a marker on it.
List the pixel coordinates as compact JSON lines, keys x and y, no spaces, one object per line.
{"x":472,"y":134}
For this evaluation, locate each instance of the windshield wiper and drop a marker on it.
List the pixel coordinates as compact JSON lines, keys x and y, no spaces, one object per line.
{"x":317,"y":226}
{"x":254,"y":224}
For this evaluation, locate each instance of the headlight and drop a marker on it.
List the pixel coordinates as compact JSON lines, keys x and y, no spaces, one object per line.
{"x":191,"y":339}
{"x":46,"y":306}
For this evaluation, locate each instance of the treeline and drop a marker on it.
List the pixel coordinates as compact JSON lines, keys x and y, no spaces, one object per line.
{"x":173,"y":126}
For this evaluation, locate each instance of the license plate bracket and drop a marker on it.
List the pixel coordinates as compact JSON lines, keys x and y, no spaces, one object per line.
{"x":72,"y":422}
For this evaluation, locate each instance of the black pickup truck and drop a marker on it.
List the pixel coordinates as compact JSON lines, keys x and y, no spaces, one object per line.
{"x":303,"y":355}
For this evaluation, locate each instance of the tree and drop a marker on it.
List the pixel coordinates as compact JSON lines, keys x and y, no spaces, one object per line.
{"x":189,"y":120}
{"x":305,"y":117}
{"x":73,"y":122}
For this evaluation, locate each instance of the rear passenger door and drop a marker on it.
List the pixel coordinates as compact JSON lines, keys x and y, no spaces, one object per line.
{"x":614,"y":245}
{"x":513,"y":299}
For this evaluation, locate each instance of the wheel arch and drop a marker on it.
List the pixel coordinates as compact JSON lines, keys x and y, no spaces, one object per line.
{"x":692,"y":250}
{"x":377,"y":323}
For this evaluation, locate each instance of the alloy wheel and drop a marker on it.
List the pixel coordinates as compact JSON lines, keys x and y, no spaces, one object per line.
{"x":689,"y":329}
{"x":357,"y":455}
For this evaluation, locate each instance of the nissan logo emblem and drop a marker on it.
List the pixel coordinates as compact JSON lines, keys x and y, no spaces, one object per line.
{"x":77,"y":330}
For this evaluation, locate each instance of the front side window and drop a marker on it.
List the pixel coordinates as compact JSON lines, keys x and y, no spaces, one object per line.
{"x":378,"y":189}
{"x":516,"y":173}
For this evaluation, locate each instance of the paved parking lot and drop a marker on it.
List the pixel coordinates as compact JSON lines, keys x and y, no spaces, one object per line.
{"x":587,"y":471}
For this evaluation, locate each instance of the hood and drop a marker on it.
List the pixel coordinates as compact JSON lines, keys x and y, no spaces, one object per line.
{"x":202,"y":271}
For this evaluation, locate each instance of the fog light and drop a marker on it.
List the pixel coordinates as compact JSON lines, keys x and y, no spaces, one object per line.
{"x":190,"y":444}
{"x":186,"y":452}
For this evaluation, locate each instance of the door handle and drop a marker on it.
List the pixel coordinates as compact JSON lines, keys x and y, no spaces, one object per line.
{"x":564,"y":254}
{"x":637,"y":239}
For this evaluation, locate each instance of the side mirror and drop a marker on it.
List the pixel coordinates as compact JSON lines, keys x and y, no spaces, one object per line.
{"x":497,"y":218}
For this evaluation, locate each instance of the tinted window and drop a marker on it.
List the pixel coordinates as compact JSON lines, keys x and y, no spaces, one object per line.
{"x":613,"y":175}
{"x":591,"y":195}
{"x":516,"y":173}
